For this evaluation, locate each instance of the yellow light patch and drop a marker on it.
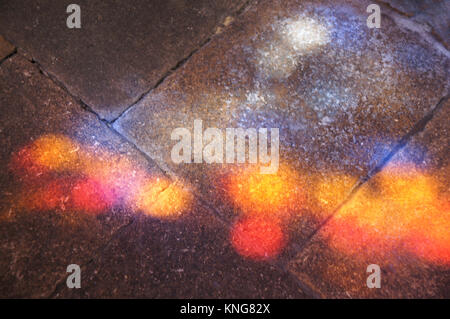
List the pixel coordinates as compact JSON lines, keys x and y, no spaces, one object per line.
{"x":266,"y":194}
{"x":162,"y":199}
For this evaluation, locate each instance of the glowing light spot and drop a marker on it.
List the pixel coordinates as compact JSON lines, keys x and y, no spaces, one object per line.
{"x":117,"y":173}
{"x":56,"y":152}
{"x":430,"y":236}
{"x":162,"y":199}
{"x":90,"y":197}
{"x":266,"y":194}
{"x":94,"y":180}
{"x":258,"y":238}
{"x":293,"y":38}
{"x":399,"y":209}
{"x":50,"y":195}
{"x":23,"y":164}
{"x":329,"y":190}
{"x":48,"y":153}
{"x":304,"y":33}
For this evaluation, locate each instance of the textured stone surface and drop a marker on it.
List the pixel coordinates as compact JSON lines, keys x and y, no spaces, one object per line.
{"x":433,"y":13}
{"x":123,"y":47}
{"x":399,"y":220}
{"x":40,"y":232}
{"x":72,"y":192}
{"x":340,"y":93}
{"x":6,"y":48}
{"x":189,"y":258}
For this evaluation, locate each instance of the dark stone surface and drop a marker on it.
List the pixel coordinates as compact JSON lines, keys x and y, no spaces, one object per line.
{"x":188,"y":258}
{"x":406,"y":204}
{"x":123,"y":47}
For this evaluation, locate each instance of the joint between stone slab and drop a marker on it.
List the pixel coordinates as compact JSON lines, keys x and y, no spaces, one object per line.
{"x":402,"y":143}
{"x":87,"y":108}
{"x":56,"y":81}
{"x":178,"y":65}
{"x":8,"y":56}
{"x":161,"y":80}
{"x":416,"y":129}
{"x":428,"y":35}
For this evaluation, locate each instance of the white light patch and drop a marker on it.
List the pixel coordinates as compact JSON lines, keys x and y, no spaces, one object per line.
{"x":278,"y":56}
{"x":304,"y":34}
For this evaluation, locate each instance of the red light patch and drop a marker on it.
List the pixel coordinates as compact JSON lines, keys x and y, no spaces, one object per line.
{"x":257,"y":238}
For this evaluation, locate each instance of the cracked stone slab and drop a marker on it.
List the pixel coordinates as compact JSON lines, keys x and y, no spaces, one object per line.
{"x":6,"y":48}
{"x":189,"y":258}
{"x":399,"y":220}
{"x":341,"y":95}
{"x":42,"y":231}
{"x":123,"y":47}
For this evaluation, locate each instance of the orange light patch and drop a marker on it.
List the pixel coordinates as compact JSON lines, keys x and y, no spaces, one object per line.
{"x":257,"y":238}
{"x":95,"y":180}
{"x":56,"y":152}
{"x":162,"y":199}
{"x":50,"y":195}
{"x":430,"y":239}
{"x":272,"y":195}
{"x":331,"y":189}
{"x":23,"y":163}
{"x":400,"y":209}
{"x":48,"y":153}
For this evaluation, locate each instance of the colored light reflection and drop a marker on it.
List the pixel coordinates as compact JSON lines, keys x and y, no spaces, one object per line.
{"x":270,"y":195}
{"x":258,"y":238}
{"x":330,"y":189}
{"x":60,"y":174}
{"x":91,"y":197}
{"x":49,"y":152}
{"x":399,"y":210}
{"x":267,"y":203}
{"x":161,"y":199}
{"x":49,"y":195}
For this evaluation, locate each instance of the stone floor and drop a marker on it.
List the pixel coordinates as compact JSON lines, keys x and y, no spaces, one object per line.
{"x":88,"y":178}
